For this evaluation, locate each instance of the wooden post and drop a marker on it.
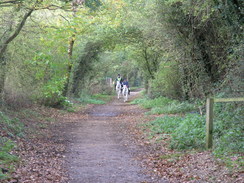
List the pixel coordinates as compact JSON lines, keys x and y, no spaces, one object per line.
{"x":209,"y":123}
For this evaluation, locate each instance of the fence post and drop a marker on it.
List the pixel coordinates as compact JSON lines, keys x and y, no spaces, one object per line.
{"x":209,"y":123}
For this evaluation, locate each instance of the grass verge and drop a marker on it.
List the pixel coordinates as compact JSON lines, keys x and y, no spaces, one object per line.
{"x":10,"y":129}
{"x":186,"y":130}
{"x":163,"y":105}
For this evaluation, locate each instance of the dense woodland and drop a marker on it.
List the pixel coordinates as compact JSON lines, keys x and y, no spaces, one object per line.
{"x":186,"y":50}
{"x":180,"y":49}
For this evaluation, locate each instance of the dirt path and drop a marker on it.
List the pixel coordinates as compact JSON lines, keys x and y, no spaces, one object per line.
{"x":106,"y":144}
{"x":100,"y":150}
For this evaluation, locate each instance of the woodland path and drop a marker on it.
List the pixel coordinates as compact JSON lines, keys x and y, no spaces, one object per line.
{"x":100,"y":150}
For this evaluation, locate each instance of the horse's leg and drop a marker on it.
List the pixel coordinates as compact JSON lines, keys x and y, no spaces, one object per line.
{"x":118,"y":94}
{"x":126,"y":95}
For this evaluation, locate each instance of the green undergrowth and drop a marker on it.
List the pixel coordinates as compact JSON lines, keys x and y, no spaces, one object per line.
{"x":7,"y":160}
{"x":75,"y":104}
{"x":229,"y":132}
{"x":94,"y":99}
{"x":134,"y":88}
{"x":10,"y":128}
{"x":90,"y":100}
{"x":163,"y":105}
{"x":102,"y":97}
{"x":187,"y":131}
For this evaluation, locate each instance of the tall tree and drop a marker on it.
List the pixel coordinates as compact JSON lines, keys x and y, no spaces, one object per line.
{"x":7,"y":40}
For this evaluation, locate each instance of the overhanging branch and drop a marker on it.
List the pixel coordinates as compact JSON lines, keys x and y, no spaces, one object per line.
{"x":15,"y":34}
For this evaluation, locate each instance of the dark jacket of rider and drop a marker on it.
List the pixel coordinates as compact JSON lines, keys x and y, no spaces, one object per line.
{"x":126,"y":83}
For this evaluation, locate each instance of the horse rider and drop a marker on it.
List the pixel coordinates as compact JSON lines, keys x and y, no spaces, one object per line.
{"x":118,"y":79}
{"x":126,"y":83}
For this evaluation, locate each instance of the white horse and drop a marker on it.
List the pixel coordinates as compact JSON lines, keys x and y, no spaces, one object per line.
{"x":118,"y":88}
{"x":125,"y":92}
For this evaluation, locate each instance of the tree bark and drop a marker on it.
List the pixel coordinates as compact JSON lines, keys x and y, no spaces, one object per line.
{"x":2,"y":79}
{"x":70,"y":52}
{"x":147,"y":64}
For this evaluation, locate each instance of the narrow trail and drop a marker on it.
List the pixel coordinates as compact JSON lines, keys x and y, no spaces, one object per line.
{"x":99,"y":151}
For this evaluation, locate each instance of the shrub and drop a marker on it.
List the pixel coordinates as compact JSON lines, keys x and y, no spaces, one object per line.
{"x":52,"y":93}
{"x":166,"y":82}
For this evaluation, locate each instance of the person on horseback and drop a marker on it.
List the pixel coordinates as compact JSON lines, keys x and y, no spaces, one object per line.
{"x":118,"y":79}
{"x":126,"y":83}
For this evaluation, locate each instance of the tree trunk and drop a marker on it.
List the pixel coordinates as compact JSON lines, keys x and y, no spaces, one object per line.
{"x":3,"y":48}
{"x":75,"y":4}
{"x":69,"y":68}
{"x":2,"y":79}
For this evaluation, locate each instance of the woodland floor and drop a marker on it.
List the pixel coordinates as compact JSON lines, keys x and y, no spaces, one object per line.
{"x":106,"y":144}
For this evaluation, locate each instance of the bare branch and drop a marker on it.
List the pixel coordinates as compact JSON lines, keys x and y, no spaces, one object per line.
{"x":15,"y":34}
{"x":65,"y":18}
{"x":10,"y":3}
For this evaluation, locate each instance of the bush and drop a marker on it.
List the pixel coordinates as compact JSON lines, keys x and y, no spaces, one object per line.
{"x":166,"y":83}
{"x":52,"y":93}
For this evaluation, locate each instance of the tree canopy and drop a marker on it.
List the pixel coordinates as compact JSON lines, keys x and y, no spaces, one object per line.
{"x":52,"y":49}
